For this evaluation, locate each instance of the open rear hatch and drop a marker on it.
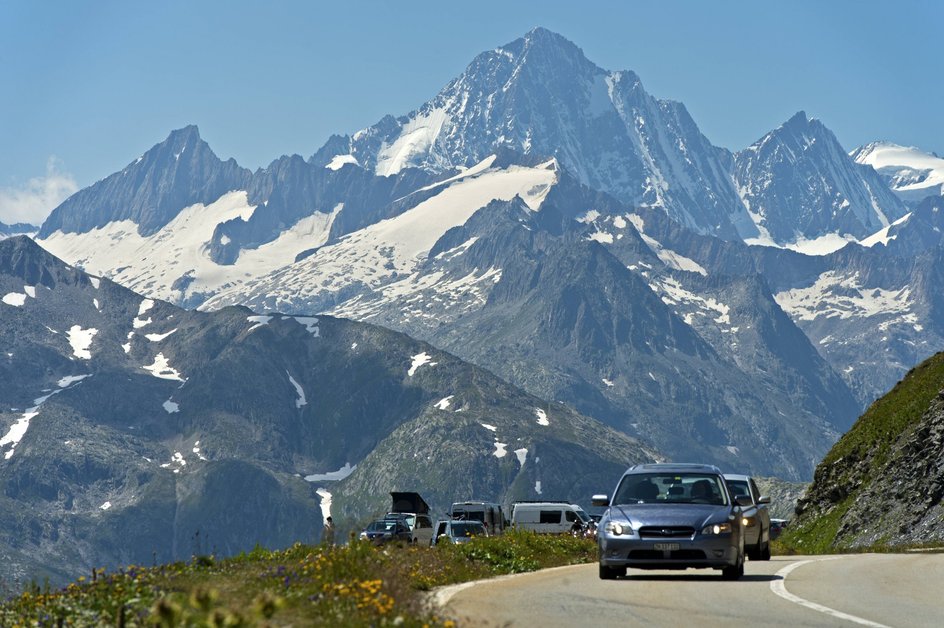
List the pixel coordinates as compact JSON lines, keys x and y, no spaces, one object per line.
{"x":408,"y":502}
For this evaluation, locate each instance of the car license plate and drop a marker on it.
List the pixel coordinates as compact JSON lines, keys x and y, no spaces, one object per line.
{"x":666,"y":547}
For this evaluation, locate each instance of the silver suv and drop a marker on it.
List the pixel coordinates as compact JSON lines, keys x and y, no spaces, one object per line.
{"x":756,"y":518}
{"x":671,"y":516}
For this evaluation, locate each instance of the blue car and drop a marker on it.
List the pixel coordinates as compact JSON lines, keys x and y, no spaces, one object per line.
{"x":386,"y":530}
{"x":671,"y":516}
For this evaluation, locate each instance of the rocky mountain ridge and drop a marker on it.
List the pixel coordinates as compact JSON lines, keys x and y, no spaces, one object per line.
{"x":133,"y":431}
{"x":373,"y":226}
{"x":800,"y":186}
{"x":17,"y":228}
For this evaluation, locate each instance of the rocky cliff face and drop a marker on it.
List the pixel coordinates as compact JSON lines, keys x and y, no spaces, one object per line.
{"x":882,"y":484}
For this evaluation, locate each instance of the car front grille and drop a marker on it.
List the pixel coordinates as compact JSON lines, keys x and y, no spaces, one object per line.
{"x":666,"y":532}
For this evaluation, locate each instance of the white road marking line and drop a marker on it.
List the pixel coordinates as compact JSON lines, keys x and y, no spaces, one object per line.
{"x":780,"y":588}
{"x":442,"y":595}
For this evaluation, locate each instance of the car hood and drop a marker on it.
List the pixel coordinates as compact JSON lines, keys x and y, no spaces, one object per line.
{"x":694,"y":515}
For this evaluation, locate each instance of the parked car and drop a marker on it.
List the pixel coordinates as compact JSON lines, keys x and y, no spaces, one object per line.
{"x":550,"y":517}
{"x":488,"y":513}
{"x":386,"y":530}
{"x":756,"y":517}
{"x":671,"y":516}
{"x":458,"y":531}
{"x":777,"y":526}
{"x":413,"y":510}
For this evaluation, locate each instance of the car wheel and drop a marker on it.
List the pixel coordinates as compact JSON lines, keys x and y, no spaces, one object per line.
{"x":611,"y":573}
{"x":735,"y":572}
{"x":765,"y":553}
{"x":754,"y":553}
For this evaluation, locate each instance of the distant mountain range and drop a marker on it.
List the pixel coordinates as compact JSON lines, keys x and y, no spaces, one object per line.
{"x":554,"y":223}
{"x":133,"y":431}
{"x":18,"y":228}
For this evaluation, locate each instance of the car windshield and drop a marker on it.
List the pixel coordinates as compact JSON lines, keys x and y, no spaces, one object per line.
{"x":385,"y":525}
{"x":670,"y":488}
{"x":583,"y":516}
{"x":739,"y":487}
{"x":467,"y":528}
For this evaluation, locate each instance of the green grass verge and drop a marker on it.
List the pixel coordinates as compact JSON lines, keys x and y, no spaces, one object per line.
{"x":891,"y":416}
{"x":813,"y":536}
{"x":355,"y":585}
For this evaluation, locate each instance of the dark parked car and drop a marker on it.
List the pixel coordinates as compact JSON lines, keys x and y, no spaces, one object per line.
{"x":777,"y":526}
{"x":756,"y":517}
{"x":386,"y":530}
{"x":671,"y":516}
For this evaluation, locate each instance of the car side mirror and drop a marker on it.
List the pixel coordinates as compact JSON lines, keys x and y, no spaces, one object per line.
{"x":600,"y":500}
{"x":764,"y":499}
{"x":744,"y":501}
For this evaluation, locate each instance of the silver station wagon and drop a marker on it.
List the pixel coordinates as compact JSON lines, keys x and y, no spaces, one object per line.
{"x":671,"y":516}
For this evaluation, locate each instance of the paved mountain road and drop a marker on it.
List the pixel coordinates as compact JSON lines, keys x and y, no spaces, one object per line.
{"x":862,"y":589}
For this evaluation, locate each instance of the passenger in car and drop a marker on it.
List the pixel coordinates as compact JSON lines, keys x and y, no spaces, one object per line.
{"x":646,"y":490}
{"x":701,"y":491}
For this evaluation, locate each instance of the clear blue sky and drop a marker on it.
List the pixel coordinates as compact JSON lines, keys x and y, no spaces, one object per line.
{"x":89,"y":86}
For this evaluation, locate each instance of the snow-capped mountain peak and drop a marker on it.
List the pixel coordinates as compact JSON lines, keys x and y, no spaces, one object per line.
{"x":150,"y":191}
{"x":801,"y":187}
{"x":541,"y":97}
{"x":910,"y":172}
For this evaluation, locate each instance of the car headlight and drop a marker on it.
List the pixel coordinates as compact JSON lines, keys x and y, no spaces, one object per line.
{"x":617,"y":528}
{"x":717,"y":528}
{"x":747,"y":521}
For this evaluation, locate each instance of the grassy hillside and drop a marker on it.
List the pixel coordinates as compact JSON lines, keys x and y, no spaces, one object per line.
{"x":881,"y":479}
{"x":355,"y":585}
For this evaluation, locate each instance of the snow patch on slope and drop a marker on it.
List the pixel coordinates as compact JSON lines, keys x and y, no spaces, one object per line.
{"x":300,"y":401}
{"x":415,"y":139}
{"x":419,"y":360}
{"x":834,"y":295}
{"x":81,"y":340}
{"x":332,"y":476}
{"x":162,"y":369}
{"x":392,"y":248}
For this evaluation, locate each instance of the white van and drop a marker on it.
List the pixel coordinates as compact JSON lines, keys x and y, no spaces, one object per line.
{"x":549,"y":517}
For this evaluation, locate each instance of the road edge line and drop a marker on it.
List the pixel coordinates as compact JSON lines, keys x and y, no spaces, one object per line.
{"x":441,"y":596}
{"x":779,"y":587}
